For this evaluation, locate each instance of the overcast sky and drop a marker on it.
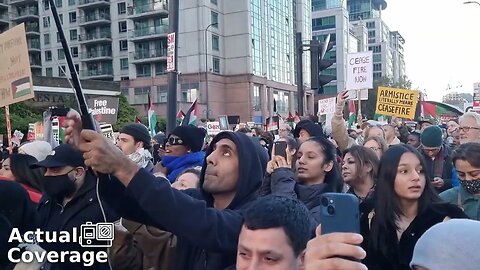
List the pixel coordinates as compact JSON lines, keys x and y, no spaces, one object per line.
{"x":442,"y":43}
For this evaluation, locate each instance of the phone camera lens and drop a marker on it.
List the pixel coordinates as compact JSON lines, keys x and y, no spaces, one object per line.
{"x":324,"y":202}
{"x":330,"y":210}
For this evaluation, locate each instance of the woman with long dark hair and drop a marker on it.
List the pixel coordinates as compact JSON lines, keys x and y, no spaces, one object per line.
{"x":17,"y":167}
{"x":316,"y":172}
{"x":406,"y":206}
{"x":359,"y":171}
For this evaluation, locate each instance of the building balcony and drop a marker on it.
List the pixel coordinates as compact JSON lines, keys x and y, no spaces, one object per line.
{"x":93,"y":3}
{"x":154,"y":9}
{"x":102,"y":37}
{"x":96,"y":55}
{"x":35,"y":62}
{"x":32,"y":30}
{"x":95,"y":19}
{"x":22,"y":2}
{"x":4,"y":4}
{"x":4,"y":20}
{"x":149,"y":33}
{"x":29,"y":14}
{"x":106,"y":73}
{"x":145,"y":56}
{"x":33,"y":46}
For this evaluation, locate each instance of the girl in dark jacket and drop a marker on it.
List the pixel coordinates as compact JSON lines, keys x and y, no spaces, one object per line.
{"x":406,"y":206}
{"x":316,"y":172}
{"x":359,"y":171}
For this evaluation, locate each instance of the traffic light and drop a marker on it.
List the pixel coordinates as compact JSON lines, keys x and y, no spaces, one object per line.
{"x":318,"y":64}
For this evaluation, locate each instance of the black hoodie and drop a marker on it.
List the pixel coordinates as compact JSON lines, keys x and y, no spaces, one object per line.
{"x":206,"y":237}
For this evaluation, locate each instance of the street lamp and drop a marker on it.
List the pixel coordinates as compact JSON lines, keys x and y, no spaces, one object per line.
{"x":206,"y":66}
{"x":471,"y":2}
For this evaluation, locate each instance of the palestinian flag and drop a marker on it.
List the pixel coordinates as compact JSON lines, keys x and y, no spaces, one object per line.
{"x":180,"y":117}
{"x":137,"y":120}
{"x":152,"y":117}
{"x":21,"y":87}
{"x":191,"y":115}
{"x":436,"y":110}
{"x":352,"y":117}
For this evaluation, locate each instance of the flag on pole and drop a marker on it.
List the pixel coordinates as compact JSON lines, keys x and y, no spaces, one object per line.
{"x":290,"y":117}
{"x":352,"y":117}
{"x":191,"y":115}
{"x":180,"y":117}
{"x":152,"y":117}
{"x":280,"y":119}
{"x":296,"y":119}
{"x":137,"y":120}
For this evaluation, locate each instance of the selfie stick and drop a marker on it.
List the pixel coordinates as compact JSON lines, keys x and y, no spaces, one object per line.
{"x":87,"y":119}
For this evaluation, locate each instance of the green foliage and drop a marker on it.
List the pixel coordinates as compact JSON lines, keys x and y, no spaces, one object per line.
{"x":368,"y":106}
{"x":161,"y":124}
{"x":126,"y":113}
{"x":20,"y":116}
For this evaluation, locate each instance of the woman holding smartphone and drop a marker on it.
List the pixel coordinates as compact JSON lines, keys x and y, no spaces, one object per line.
{"x":316,"y":172}
{"x":406,"y":206}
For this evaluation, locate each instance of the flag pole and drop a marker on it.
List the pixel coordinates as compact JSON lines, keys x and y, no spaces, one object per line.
{"x":9,"y":128}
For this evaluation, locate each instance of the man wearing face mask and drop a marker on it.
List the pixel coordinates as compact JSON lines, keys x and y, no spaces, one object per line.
{"x":69,"y":201}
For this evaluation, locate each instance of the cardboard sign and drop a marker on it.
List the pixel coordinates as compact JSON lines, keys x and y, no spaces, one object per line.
{"x":213,"y":128}
{"x":107,"y":131}
{"x":104,"y":109}
{"x":326,"y":106}
{"x":396,"y":102}
{"x":359,"y":70}
{"x":15,"y":76}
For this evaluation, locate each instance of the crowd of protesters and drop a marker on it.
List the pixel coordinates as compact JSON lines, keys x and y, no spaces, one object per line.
{"x":182,"y":201}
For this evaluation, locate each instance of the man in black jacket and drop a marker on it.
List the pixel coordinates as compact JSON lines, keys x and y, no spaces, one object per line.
{"x":70,"y":201}
{"x":206,"y":221}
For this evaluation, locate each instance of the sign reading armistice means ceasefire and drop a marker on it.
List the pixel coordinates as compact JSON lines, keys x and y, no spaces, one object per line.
{"x":396,"y":102}
{"x":15,"y":75}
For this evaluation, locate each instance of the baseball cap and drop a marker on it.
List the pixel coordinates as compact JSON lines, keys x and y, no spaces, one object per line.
{"x":61,"y":156}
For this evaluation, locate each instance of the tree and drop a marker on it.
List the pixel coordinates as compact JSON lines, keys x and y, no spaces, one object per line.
{"x":369,"y":106}
{"x":126,"y":113}
{"x":20,"y":116}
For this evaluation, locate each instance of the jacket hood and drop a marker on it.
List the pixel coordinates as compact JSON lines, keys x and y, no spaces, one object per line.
{"x":252,"y":166}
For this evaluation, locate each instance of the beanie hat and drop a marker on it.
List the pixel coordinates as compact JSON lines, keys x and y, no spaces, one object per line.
{"x":449,"y":245}
{"x":432,"y":137}
{"x":313,"y":129}
{"x":38,"y":149}
{"x":192,"y":136}
{"x":138,"y":131}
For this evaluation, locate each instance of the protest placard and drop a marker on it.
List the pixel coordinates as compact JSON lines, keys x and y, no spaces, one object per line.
{"x":396,"y":102}
{"x":326,"y":106}
{"x":213,"y":128}
{"x":15,"y":76}
{"x":359,"y":71}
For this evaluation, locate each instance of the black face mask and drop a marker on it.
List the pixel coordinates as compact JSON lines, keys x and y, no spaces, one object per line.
{"x":59,"y":186}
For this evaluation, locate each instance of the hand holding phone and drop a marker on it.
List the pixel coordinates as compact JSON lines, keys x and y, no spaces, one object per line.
{"x":280,"y":149}
{"x":339,"y":213}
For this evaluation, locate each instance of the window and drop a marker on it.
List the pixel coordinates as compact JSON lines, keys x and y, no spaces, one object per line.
{"x":160,"y":68}
{"x":58,"y":38}
{"x":377,"y":67}
{"x":76,"y":67}
{"x":46,"y":39}
{"x":257,"y":101}
{"x":144,"y":70}
{"x":72,"y":2}
{"x":214,"y":19}
{"x":215,"y":42}
{"x":122,"y":27}
{"x":49,"y":72}
{"x":123,"y":45}
{"x":124,"y":63}
{"x":46,"y":4}
{"x":140,"y":95}
{"x":216,"y":65}
{"x":213,"y":2}
{"x":48,"y":55}
{"x":46,"y":22}
{"x":122,"y":8}
{"x":74,"y":51}
{"x":125,"y":79}
{"x":61,"y":70}
{"x":60,"y":16}
{"x":72,"y":17}
{"x":61,"y":54}
{"x":162,"y":93}
{"x":58,"y":3}
{"x":323,"y":23}
{"x":189,"y":92}
{"x":73,"y":34}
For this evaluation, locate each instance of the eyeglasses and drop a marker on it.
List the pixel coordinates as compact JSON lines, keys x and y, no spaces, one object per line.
{"x":431,"y":150}
{"x":174,"y":141}
{"x":467,"y":129}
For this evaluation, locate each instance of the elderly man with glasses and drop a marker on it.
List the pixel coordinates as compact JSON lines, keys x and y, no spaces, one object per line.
{"x":469,"y":127}
{"x":437,"y":156}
